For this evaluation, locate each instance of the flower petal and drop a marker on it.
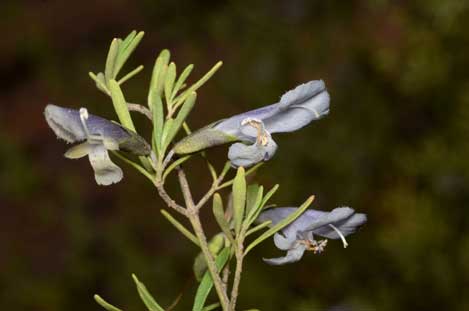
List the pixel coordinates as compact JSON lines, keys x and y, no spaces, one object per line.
{"x":248,"y":155}
{"x":293,"y":255}
{"x":282,"y":242}
{"x":78,"y":151}
{"x":105,"y":171}
{"x":67,"y":125}
{"x":346,"y":227}
{"x":298,"y":107}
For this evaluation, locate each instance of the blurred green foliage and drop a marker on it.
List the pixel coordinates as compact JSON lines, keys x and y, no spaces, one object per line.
{"x":395,"y":146}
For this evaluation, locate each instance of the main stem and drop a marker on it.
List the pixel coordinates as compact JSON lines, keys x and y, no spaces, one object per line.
{"x":193,"y":215}
{"x":217,"y":281}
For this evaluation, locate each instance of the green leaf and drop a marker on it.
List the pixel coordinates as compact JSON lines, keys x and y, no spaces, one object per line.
{"x":207,"y":283}
{"x":269,"y":195}
{"x":255,"y":209}
{"x":219,"y":213}
{"x":156,"y":106}
{"x":135,"y":165}
{"x":180,"y":227}
{"x":182,"y":78}
{"x":239,"y":199}
{"x":146,"y":297}
{"x":126,"y":49}
{"x":169,"y":82}
{"x":253,"y":198}
{"x":166,"y":132}
{"x":174,"y":165}
{"x":159,"y":70}
{"x":280,"y":225}
{"x":181,"y":117}
{"x":181,"y":98}
{"x":106,"y":305}
{"x":111,"y":60}
{"x":125,"y":43}
{"x":120,"y":105}
{"x":130,"y":75}
{"x":259,"y":227}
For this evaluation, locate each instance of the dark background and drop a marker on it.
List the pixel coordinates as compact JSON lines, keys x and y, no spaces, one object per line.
{"x":395,"y":146}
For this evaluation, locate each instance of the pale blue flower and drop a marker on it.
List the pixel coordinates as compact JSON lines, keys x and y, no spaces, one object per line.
{"x":296,"y":109}
{"x":100,"y":135}
{"x":298,"y":236}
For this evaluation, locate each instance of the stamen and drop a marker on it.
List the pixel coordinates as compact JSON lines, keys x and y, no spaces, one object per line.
{"x":344,"y":241}
{"x":83,"y":118}
{"x":262,"y":137}
{"x":316,"y":247}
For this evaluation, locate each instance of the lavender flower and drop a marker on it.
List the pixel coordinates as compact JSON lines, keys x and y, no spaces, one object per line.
{"x":298,"y":236}
{"x":100,"y":135}
{"x":296,"y":109}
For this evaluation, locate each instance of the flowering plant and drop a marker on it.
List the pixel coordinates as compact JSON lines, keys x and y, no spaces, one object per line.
{"x":245,"y":220}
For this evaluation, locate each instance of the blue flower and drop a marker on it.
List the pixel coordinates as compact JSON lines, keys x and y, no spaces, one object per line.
{"x":100,"y":135}
{"x":296,"y":109}
{"x":298,"y":236}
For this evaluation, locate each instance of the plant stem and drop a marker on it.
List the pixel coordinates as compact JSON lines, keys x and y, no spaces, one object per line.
{"x":193,"y":215}
{"x":237,"y":276}
{"x":217,"y":281}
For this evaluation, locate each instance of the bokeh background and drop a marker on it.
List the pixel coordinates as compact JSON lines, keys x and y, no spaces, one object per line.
{"x":395,"y":146}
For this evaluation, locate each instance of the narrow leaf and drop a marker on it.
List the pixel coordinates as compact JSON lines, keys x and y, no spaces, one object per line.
{"x":111,"y":60}
{"x":157,"y":74}
{"x":135,"y":165}
{"x":166,"y":133}
{"x":125,"y":43}
{"x":180,"y":227}
{"x":181,"y":117}
{"x":182,"y":78}
{"x":169,"y":82}
{"x":239,"y":199}
{"x":156,"y":106}
{"x":207,"y":283}
{"x":174,"y":165}
{"x":198,"y":84}
{"x":280,"y":225}
{"x":146,"y":297}
{"x":251,"y":197}
{"x":120,"y":105}
{"x":219,"y":213}
{"x":106,"y":305}
{"x":130,"y":74}
{"x":126,"y":51}
{"x":255,"y":209}
{"x":258,"y":227}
